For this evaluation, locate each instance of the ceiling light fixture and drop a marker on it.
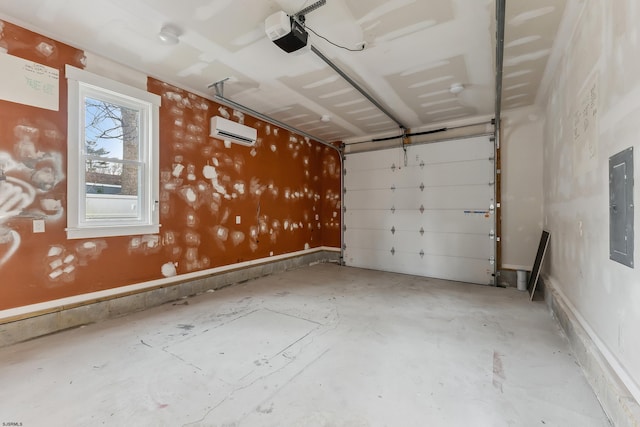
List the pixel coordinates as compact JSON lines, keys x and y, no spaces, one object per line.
{"x":456,"y":88}
{"x":169,"y":35}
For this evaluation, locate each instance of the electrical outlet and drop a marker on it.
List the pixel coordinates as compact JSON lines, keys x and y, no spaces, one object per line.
{"x":38,"y":225}
{"x":238,"y":220}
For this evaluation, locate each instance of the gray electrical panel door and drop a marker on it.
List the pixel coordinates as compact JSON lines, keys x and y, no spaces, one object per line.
{"x":621,"y":207}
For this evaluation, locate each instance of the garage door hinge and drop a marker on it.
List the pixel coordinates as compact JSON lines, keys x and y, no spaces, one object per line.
{"x":421,"y":231}
{"x":491,"y":159}
{"x":421,"y":253}
{"x":393,"y":209}
{"x":393,"y":167}
{"x":492,"y":234}
{"x":393,"y":230}
{"x":393,"y":187}
{"x":492,"y":260}
{"x":421,"y":186}
{"x":421,"y":209}
{"x":344,"y":171}
{"x":344,"y":209}
{"x":492,"y":208}
{"x":393,"y":251}
{"x":344,"y":190}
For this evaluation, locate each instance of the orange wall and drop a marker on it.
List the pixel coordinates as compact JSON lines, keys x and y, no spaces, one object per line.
{"x":286,"y":191}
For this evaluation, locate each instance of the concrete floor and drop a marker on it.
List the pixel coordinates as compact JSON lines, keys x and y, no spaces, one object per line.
{"x":318,"y":346}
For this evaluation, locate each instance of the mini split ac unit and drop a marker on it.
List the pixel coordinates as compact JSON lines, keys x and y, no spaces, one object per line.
{"x":228,"y":130}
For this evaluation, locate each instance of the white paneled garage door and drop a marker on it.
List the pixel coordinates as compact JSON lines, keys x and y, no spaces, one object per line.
{"x":429,"y":212}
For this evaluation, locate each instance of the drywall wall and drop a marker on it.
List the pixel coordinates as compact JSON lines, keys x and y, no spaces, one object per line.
{"x":220,"y":204}
{"x":521,"y":170}
{"x":592,"y":113}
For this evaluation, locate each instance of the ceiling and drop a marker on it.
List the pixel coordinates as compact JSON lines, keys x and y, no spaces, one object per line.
{"x":414,"y":51}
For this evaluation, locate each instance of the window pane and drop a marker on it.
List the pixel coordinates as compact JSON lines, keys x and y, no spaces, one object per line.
{"x":111,"y":130}
{"x":123,"y":178}
{"x":112,"y":190}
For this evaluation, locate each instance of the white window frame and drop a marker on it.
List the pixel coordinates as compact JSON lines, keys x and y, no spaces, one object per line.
{"x":81,"y":84}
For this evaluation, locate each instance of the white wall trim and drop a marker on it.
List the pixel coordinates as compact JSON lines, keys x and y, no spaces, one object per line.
{"x":615,"y":365}
{"x":138,"y":287}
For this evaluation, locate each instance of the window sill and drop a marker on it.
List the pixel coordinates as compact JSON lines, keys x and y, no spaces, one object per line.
{"x":113,"y":231}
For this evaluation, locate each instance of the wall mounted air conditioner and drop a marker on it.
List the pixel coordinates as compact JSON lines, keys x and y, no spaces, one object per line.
{"x":228,"y":130}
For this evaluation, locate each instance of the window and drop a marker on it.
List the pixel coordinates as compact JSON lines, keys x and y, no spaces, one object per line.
{"x":112,"y":181}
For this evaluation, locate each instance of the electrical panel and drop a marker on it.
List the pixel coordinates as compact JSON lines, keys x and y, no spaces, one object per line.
{"x":621,"y":207}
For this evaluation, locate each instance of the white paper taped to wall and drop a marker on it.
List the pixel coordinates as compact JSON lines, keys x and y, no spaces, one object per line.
{"x":30,"y":83}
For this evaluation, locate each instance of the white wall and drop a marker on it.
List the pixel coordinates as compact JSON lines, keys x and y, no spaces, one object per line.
{"x":521,"y":166}
{"x":599,"y":65}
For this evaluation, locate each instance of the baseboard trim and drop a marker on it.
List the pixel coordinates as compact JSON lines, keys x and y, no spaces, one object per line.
{"x":28,"y":322}
{"x":615,"y":389}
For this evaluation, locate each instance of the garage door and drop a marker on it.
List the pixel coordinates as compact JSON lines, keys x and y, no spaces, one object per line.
{"x":427,"y":211}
